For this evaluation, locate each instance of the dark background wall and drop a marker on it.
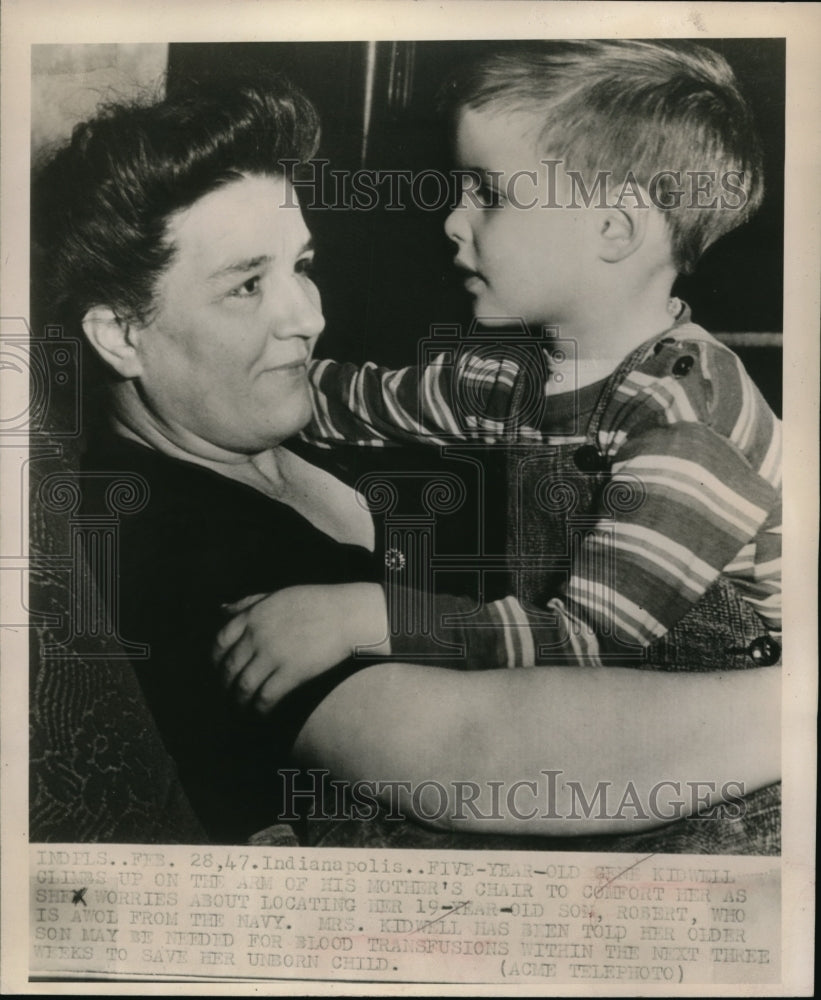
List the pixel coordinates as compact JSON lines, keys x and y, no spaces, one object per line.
{"x":385,"y":276}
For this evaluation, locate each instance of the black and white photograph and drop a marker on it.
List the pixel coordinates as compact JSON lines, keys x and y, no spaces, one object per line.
{"x":395,"y":414}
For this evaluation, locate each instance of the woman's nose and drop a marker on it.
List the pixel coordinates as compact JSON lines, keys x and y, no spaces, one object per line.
{"x":298,"y":313}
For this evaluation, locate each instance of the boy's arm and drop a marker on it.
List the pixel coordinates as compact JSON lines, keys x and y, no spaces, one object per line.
{"x":448,"y":400}
{"x":695,"y":506}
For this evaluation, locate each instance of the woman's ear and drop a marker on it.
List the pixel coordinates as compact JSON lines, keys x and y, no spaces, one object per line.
{"x":113,"y":339}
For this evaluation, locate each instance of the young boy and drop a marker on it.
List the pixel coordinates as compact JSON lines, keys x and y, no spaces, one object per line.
{"x":644,"y":499}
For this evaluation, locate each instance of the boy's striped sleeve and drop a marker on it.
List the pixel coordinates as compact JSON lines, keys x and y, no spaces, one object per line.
{"x":368,"y":405}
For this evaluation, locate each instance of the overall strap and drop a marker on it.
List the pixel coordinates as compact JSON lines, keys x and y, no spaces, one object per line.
{"x":686,"y":330}
{"x":614,"y":380}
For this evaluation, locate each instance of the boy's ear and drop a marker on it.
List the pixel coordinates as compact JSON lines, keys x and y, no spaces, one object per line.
{"x":114,"y":339}
{"x":622,"y":228}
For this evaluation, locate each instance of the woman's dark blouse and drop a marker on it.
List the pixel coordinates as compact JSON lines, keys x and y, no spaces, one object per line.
{"x":202,"y":540}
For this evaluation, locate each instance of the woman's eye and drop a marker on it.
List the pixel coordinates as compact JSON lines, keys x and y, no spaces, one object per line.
{"x":247,"y":288}
{"x":306,"y":266}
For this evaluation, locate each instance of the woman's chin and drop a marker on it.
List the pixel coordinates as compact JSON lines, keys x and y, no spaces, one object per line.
{"x":287,"y":424}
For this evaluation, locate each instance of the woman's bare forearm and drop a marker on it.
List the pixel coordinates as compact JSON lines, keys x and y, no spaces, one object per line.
{"x":559,"y":751}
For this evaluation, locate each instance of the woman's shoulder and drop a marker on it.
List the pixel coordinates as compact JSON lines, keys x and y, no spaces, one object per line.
{"x":189,"y":522}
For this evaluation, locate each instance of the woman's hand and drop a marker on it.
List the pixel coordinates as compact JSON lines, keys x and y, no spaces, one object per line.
{"x":274,"y":642}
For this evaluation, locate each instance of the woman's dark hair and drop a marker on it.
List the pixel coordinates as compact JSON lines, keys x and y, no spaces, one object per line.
{"x":101,"y":204}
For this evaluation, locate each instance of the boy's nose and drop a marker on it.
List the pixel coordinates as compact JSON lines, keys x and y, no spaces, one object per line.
{"x":457,"y":227}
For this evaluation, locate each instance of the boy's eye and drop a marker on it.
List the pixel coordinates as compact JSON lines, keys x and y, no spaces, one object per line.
{"x":489,"y":196}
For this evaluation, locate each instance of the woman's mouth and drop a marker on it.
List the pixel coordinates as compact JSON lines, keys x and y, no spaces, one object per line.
{"x":291,"y":369}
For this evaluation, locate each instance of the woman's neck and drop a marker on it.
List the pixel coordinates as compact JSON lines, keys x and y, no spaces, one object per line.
{"x":278,"y":473}
{"x":131,"y":420}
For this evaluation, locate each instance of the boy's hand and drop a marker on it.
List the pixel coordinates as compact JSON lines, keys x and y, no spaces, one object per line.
{"x":276,"y":641}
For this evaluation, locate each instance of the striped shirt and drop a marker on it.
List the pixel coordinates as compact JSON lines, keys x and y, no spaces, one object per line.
{"x":686,"y":428}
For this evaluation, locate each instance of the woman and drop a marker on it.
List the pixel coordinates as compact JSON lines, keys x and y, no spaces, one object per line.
{"x":175,"y":241}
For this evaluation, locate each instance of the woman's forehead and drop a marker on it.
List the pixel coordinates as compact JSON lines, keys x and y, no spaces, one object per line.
{"x":247,"y":219}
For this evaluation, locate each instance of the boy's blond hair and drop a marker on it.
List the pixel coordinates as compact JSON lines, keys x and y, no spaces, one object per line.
{"x":648,"y":110}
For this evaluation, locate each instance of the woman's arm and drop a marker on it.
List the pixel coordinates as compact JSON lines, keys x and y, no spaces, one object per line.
{"x":606,"y":750}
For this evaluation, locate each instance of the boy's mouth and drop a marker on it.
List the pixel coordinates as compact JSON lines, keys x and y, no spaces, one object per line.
{"x":471,"y":278}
